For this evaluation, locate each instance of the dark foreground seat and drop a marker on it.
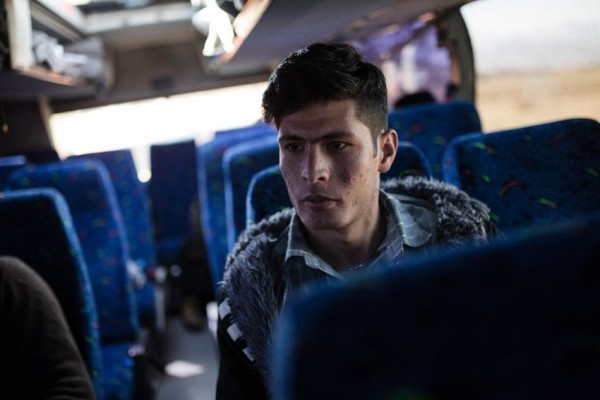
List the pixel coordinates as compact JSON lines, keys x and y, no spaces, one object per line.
{"x":515,"y":319}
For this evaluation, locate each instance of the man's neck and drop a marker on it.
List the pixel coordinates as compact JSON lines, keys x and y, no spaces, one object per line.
{"x":346,"y":248}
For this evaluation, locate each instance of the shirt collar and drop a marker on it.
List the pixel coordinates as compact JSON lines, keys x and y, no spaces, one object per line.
{"x":415,"y":222}
{"x":297,"y":247}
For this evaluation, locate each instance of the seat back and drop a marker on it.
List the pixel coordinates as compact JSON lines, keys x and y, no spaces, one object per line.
{"x":267,"y":195}
{"x":240,"y":163}
{"x":134,"y":203}
{"x":431,"y":126}
{"x":514,"y":319}
{"x":533,"y":175}
{"x":135,"y":207}
{"x":267,"y":192}
{"x":36,"y":227}
{"x":91,"y":198}
{"x":212,"y":191}
{"x":172,"y":189}
{"x":9,"y":164}
{"x":409,"y":161}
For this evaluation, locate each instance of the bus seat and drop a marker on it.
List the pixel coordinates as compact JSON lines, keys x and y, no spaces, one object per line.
{"x":8,"y":164}
{"x":42,"y":155}
{"x":36,"y":227}
{"x":410,"y":161}
{"x":135,"y":208}
{"x":240,"y":163}
{"x":212,"y":191}
{"x":172,"y":190}
{"x":517,"y":318}
{"x":91,"y":198}
{"x":240,"y":130}
{"x":431,"y":126}
{"x":267,"y":193}
{"x":532,"y":175}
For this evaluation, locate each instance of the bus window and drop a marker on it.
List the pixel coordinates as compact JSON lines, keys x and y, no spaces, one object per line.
{"x":139,"y":124}
{"x":536,"y":60}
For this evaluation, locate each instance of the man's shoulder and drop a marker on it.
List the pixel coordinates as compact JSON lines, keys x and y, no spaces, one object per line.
{"x":458,"y":217}
{"x":252,"y":253}
{"x":249,"y":295}
{"x":427,"y":192}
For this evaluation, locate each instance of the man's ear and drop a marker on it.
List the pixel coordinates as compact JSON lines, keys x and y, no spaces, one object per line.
{"x":388,"y":144}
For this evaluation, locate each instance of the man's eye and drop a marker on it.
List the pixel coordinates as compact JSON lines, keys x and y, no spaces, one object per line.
{"x":293,"y":147}
{"x":337,"y":145}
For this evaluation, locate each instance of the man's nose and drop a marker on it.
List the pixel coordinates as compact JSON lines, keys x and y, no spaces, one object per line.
{"x":315,"y":166}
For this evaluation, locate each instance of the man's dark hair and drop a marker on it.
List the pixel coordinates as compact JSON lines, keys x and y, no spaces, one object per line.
{"x":326,"y":72}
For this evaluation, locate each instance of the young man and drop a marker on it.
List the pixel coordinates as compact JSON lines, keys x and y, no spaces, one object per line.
{"x":330,"y":110}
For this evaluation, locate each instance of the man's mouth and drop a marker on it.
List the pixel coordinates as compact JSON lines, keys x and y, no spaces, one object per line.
{"x":319,"y":202}
{"x":316,"y":198}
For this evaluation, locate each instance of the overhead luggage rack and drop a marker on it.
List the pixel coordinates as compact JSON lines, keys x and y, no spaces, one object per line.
{"x":39,"y":60}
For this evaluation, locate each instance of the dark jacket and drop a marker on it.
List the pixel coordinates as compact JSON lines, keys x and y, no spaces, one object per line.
{"x":38,"y":355}
{"x":251,"y":293}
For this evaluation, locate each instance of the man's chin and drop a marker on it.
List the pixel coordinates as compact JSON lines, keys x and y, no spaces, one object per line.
{"x":320,"y":222}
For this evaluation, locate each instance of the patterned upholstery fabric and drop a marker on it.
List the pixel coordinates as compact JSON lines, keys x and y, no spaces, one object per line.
{"x":8,"y":165}
{"x":91,"y":198}
{"x":518,"y":318}
{"x":172,"y":189}
{"x":212,"y":191}
{"x":135,"y":208}
{"x":119,"y":370}
{"x":259,"y":126}
{"x":409,"y":161}
{"x":240,"y":163}
{"x":267,"y":193}
{"x":90,"y":195}
{"x":532,"y":175}
{"x":36,"y":226}
{"x":431,"y":126}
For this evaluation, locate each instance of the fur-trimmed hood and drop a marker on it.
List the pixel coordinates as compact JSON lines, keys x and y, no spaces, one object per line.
{"x":253,"y":280}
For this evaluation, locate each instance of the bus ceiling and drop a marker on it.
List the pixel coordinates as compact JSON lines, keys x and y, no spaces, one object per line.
{"x":148,"y":50}
{"x":282,"y":26}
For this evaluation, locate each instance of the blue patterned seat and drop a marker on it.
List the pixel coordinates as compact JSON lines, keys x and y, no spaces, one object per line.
{"x":9,"y":164}
{"x":91,"y":198}
{"x":409,"y":161}
{"x":172,"y":190}
{"x":36,"y":226}
{"x":532,"y":175}
{"x":212,"y":191}
{"x":267,"y":193}
{"x":135,"y":208}
{"x":431,"y":127}
{"x":240,"y":163}
{"x":518,"y":318}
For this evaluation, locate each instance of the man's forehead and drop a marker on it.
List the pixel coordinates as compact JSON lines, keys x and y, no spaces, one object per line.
{"x":323,"y":118}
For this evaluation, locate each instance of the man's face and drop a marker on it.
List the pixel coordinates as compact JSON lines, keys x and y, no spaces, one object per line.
{"x":330,"y":166}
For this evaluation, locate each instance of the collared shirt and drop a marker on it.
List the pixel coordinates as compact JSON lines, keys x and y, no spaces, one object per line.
{"x":409,"y":226}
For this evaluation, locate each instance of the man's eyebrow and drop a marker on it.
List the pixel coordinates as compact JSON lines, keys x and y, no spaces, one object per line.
{"x":328,"y":136}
